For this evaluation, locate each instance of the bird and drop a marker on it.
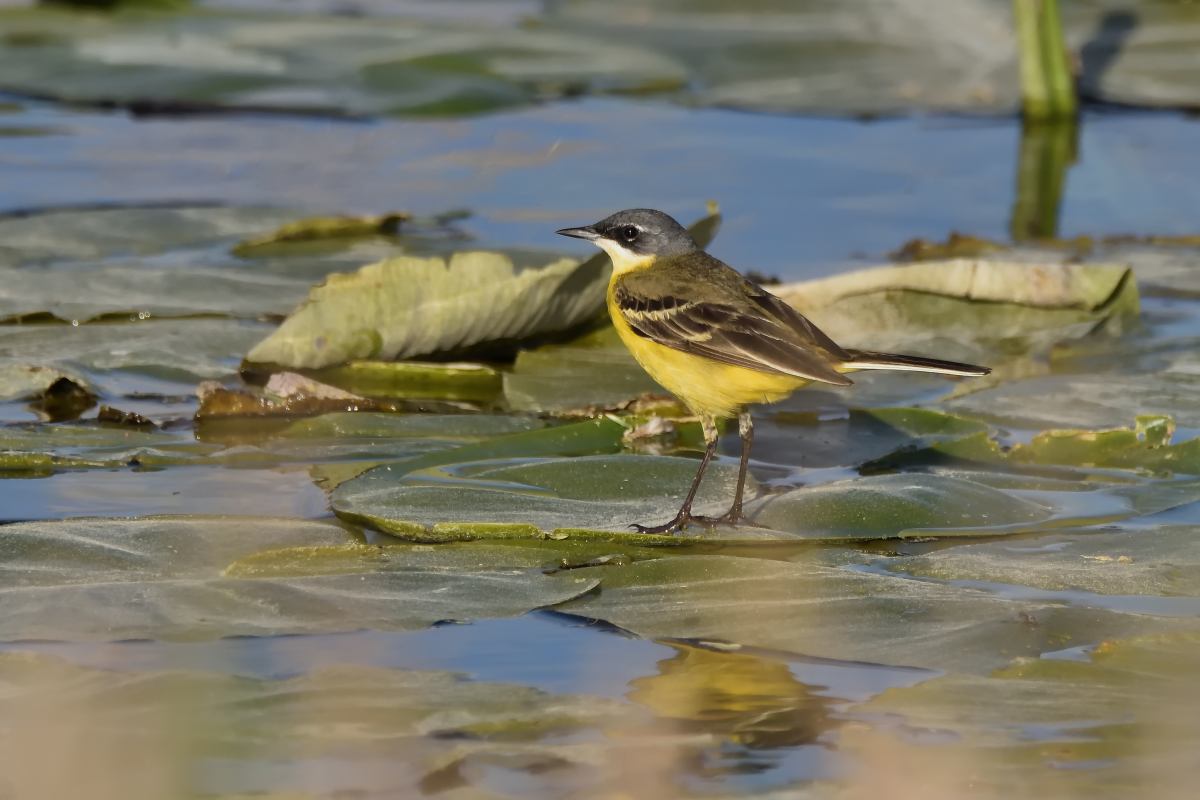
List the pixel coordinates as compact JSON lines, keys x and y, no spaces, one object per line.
{"x":716,"y":340}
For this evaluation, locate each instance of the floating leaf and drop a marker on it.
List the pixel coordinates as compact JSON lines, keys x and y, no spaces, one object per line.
{"x":807,"y":607}
{"x":159,"y":355}
{"x":164,"y":578}
{"x":965,"y":300}
{"x":1144,"y":447}
{"x":408,"y":307}
{"x":318,"y":228}
{"x":1095,"y":400}
{"x":899,"y":505}
{"x":1138,"y":565}
{"x":490,"y":499}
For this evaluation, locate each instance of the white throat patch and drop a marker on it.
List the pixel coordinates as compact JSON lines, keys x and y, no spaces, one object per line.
{"x":623,"y":259}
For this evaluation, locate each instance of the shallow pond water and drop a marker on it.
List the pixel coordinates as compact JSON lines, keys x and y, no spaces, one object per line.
{"x":948,"y":589}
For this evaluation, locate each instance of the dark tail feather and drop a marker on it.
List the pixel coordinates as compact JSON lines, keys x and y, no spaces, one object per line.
{"x":865,"y":359}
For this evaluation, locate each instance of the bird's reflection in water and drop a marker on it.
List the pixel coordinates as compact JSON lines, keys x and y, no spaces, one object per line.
{"x":744,"y":699}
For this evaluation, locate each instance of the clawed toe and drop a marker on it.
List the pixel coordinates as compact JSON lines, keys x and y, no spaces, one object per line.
{"x":681,"y":521}
{"x":674,"y":526}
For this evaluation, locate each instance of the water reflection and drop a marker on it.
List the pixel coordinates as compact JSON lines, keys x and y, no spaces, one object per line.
{"x":1047,"y":151}
{"x":753,"y":701}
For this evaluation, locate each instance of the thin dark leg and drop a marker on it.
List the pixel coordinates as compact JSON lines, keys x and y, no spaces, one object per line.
{"x":746,"y":431}
{"x":685,"y":511}
{"x":734,"y":515}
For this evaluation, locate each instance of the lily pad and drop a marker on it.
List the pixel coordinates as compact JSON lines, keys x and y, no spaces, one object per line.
{"x":962,"y":301}
{"x":1132,"y":561}
{"x":165,"y":577}
{"x":323,"y":228}
{"x":899,"y":505}
{"x":363,"y":438}
{"x":1146,"y":447}
{"x":532,"y":499}
{"x":809,"y":608}
{"x":1096,"y":400}
{"x":409,"y":307}
{"x":97,"y":234}
{"x":350,"y":66}
{"x":177,"y":353}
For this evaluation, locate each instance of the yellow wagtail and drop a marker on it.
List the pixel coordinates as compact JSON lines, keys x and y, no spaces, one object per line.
{"x":715,"y":340}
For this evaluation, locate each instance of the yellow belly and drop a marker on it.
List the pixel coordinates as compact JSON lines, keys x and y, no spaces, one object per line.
{"x":705,"y":386}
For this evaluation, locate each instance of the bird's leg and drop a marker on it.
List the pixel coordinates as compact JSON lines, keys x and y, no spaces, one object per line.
{"x":709,"y":425}
{"x":734,"y":514}
{"x":746,"y":432}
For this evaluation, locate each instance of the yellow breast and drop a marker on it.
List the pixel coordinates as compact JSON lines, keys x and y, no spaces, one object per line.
{"x":705,"y":386}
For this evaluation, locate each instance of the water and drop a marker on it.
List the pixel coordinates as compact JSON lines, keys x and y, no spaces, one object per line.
{"x":803,"y":197}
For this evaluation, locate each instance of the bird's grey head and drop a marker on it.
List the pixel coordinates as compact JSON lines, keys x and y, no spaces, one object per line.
{"x":635,"y":235}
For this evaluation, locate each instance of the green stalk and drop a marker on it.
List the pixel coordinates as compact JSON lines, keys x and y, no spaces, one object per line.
{"x":1047,"y":87}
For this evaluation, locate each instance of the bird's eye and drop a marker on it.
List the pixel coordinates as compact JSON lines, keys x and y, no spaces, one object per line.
{"x":629,"y":233}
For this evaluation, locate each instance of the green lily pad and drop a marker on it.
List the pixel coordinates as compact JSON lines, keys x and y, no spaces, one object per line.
{"x":90,"y":235}
{"x":900,"y":505}
{"x":166,"y":578}
{"x":361,"y":438}
{"x":350,"y":66}
{"x":810,"y":608}
{"x":1144,"y":447}
{"x":321,"y":228}
{"x":1095,"y":400}
{"x":117,"y":357}
{"x":1161,"y":561}
{"x":533,"y":498}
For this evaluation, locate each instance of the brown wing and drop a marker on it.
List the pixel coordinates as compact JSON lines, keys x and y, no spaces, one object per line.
{"x":718,"y":315}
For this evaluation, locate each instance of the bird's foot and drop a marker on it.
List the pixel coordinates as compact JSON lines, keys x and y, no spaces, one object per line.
{"x":731,"y":518}
{"x":674,"y":526}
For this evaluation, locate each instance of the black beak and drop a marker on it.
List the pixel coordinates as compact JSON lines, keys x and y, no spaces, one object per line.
{"x":586,"y":232}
